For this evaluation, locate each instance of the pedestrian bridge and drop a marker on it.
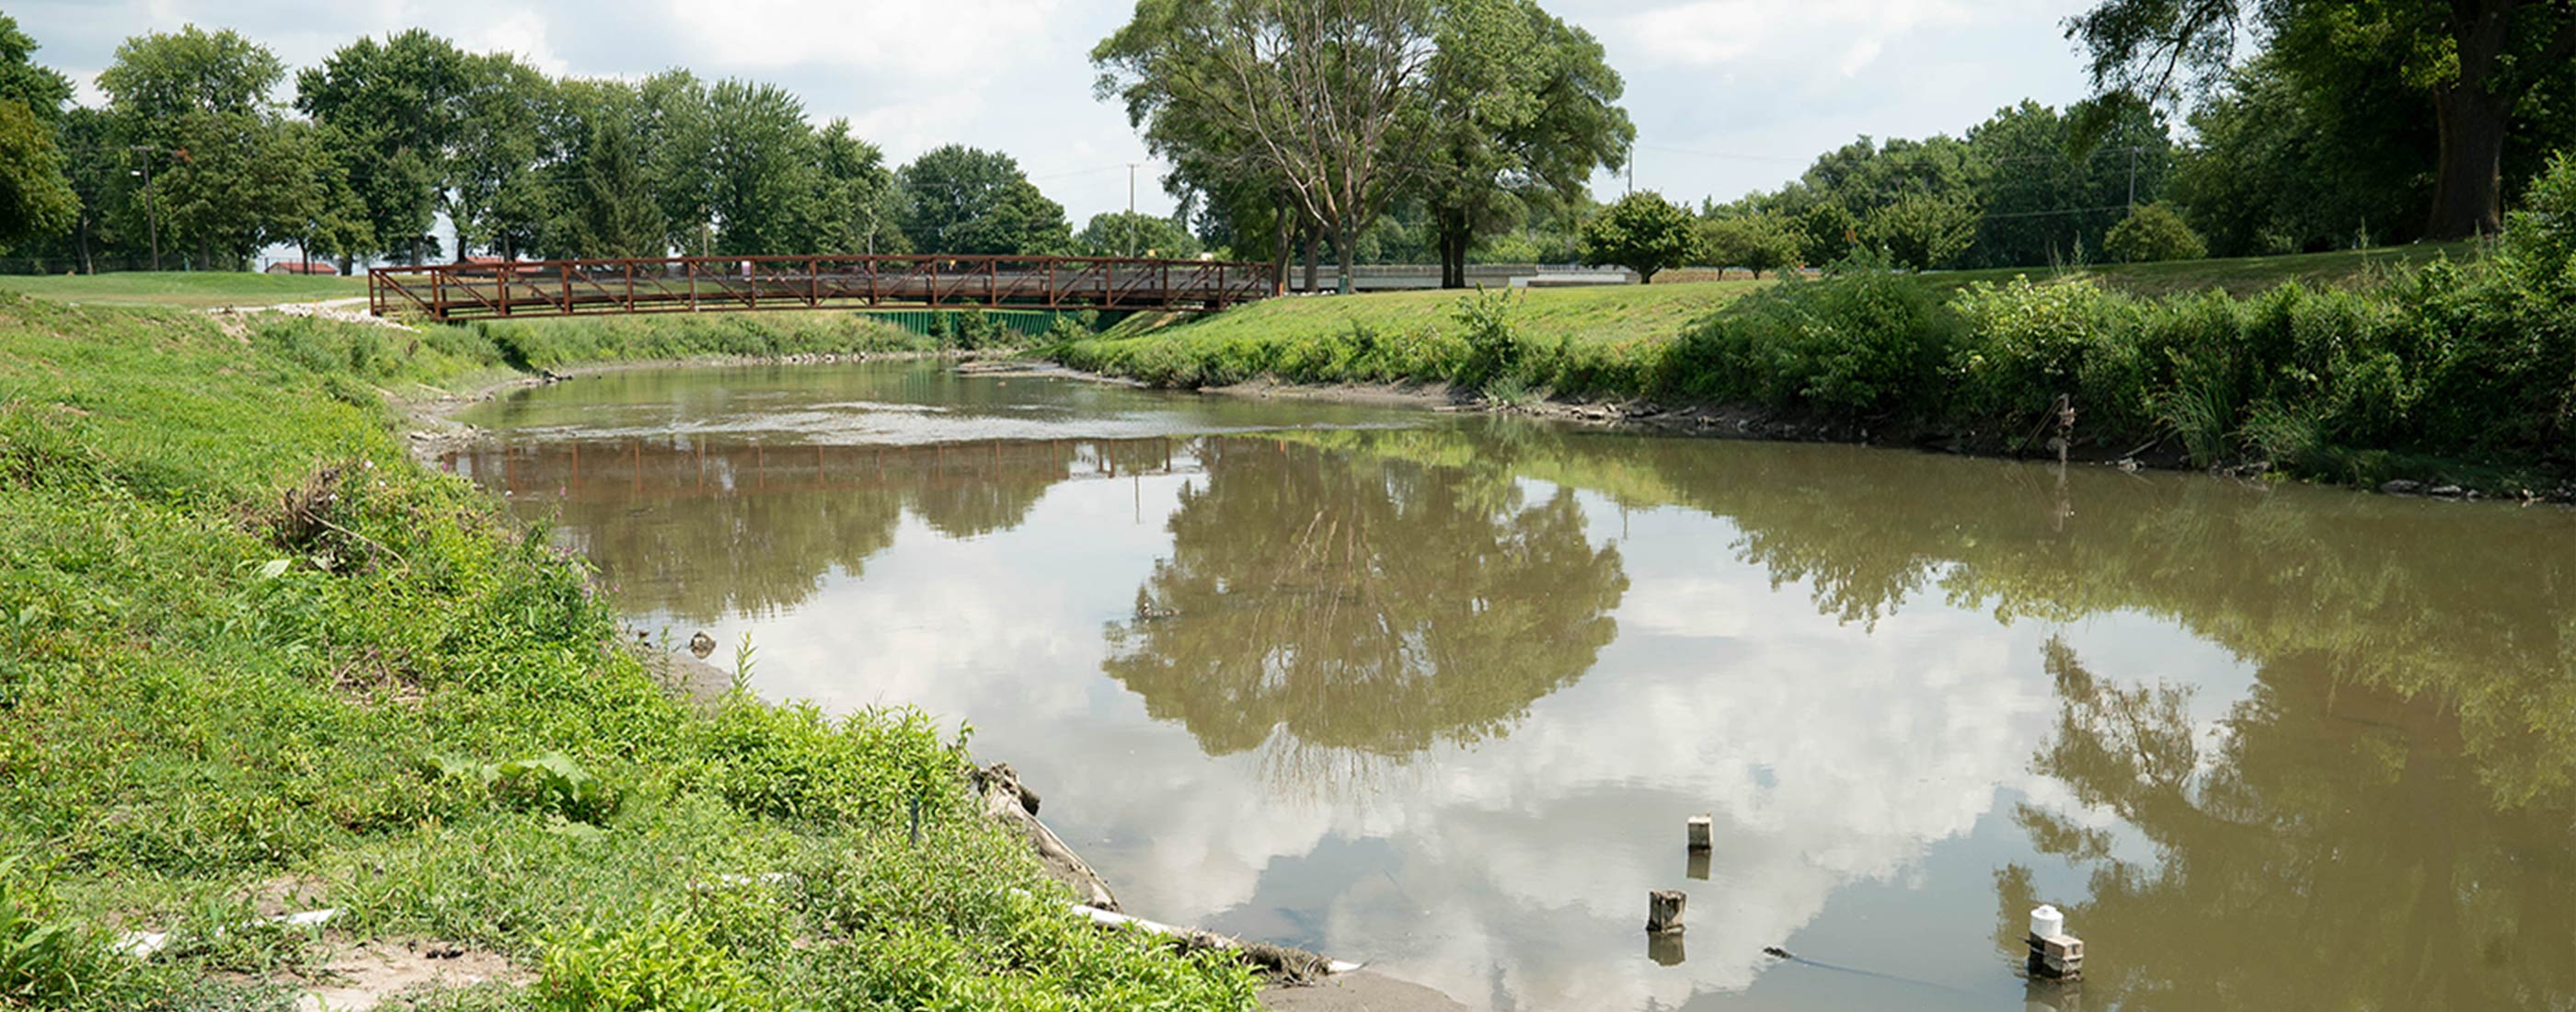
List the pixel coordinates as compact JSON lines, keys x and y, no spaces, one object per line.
{"x":540,"y":288}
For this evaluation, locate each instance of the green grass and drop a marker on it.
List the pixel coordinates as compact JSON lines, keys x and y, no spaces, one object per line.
{"x":246,"y":641}
{"x":2238,"y":276}
{"x":1597,"y":335}
{"x":1609,"y":314}
{"x":186,"y":290}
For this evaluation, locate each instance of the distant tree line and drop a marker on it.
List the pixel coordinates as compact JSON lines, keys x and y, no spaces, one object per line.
{"x":384,"y":137}
{"x":1359,"y":131}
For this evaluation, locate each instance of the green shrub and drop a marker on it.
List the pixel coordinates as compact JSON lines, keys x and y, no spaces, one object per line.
{"x":2542,"y":235}
{"x":2153,"y":233}
{"x":1495,"y":348}
{"x":1863,"y":346}
{"x":2023,"y":345}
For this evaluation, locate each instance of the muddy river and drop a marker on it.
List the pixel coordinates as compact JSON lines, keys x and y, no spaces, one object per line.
{"x":1437,"y":692}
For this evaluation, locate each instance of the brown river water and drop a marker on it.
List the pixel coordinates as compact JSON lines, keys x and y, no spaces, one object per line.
{"x":1437,"y":692}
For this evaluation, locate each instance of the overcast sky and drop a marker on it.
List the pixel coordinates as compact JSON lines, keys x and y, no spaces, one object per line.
{"x":1728,"y":95}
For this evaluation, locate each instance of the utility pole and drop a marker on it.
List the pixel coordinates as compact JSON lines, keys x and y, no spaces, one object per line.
{"x":1131,"y":207}
{"x":151,"y":201}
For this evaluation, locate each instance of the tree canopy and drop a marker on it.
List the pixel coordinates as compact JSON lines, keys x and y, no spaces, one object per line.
{"x":965,"y":200}
{"x":1642,"y":232}
{"x":2470,"y":65}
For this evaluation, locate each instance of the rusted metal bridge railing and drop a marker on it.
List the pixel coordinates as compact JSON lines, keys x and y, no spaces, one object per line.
{"x":532,"y":288}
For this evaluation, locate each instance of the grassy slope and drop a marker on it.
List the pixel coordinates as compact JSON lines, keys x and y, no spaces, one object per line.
{"x":2239,"y":276}
{"x":1607,"y":314}
{"x":246,"y":642}
{"x":1613,"y":331}
{"x":1396,"y":336}
{"x":188,"y":290}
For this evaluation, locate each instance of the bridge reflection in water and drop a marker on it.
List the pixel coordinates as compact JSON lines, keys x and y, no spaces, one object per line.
{"x":540,"y":288}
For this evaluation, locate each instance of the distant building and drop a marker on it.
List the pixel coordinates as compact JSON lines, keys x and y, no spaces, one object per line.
{"x":303,"y":267}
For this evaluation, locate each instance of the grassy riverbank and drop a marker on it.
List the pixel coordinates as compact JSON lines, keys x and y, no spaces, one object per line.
{"x":2447,"y":372}
{"x":186,"y":289}
{"x":255,"y":660}
{"x":1402,"y":337}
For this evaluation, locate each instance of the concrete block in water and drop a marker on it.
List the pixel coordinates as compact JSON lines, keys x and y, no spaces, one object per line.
{"x":1664,"y":910}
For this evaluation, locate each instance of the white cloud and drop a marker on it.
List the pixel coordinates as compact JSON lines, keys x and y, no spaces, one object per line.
{"x":1710,"y":32}
{"x":950,"y":43}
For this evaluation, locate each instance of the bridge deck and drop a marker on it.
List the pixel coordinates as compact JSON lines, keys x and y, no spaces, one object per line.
{"x":536,"y":288}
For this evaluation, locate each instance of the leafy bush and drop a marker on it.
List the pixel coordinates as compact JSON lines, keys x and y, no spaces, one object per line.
{"x":1495,"y":349}
{"x":2023,"y":345}
{"x":2153,"y":233}
{"x":2542,"y":235}
{"x":1868,"y":344}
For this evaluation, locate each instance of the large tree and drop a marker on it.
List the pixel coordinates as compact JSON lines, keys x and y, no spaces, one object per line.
{"x":855,"y":208}
{"x":36,"y":198}
{"x":964,"y":200}
{"x":760,"y":164}
{"x":679,"y":135}
{"x":603,"y":203}
{"x":309,"y":201}
{"x":194,"y":104}
{"x":1522,"y":108}
{"x":2480,"y":62}
{"x":1135,"y":234}
{"x":394,"y":108}
{"x":2045,"y":196}
{"x":497,"y":195}
{"x":1325,"y":100}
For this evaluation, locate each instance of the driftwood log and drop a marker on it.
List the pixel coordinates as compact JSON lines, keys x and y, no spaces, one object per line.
{"x":998,"y":788}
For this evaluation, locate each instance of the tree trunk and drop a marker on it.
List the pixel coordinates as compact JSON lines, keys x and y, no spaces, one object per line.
{"x":1342,"y":245}
{"x":1306,"y":235}
{"x":2468,"y":196}
{"x":1453,"y":248}
{"x":1279,"y":250}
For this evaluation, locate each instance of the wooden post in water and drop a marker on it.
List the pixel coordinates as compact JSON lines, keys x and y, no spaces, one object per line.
{"x":1701,"y":831}
{"x":1664,"y":911}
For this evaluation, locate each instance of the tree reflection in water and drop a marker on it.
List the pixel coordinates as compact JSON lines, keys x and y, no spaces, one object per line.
{"x":2381,"y":823}
{"x":1351,"y":607}
{"x":2335,"y":851}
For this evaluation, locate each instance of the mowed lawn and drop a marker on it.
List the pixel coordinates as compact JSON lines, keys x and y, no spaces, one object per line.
{"x":182,"y":289}
{"x":1610,"y":314}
